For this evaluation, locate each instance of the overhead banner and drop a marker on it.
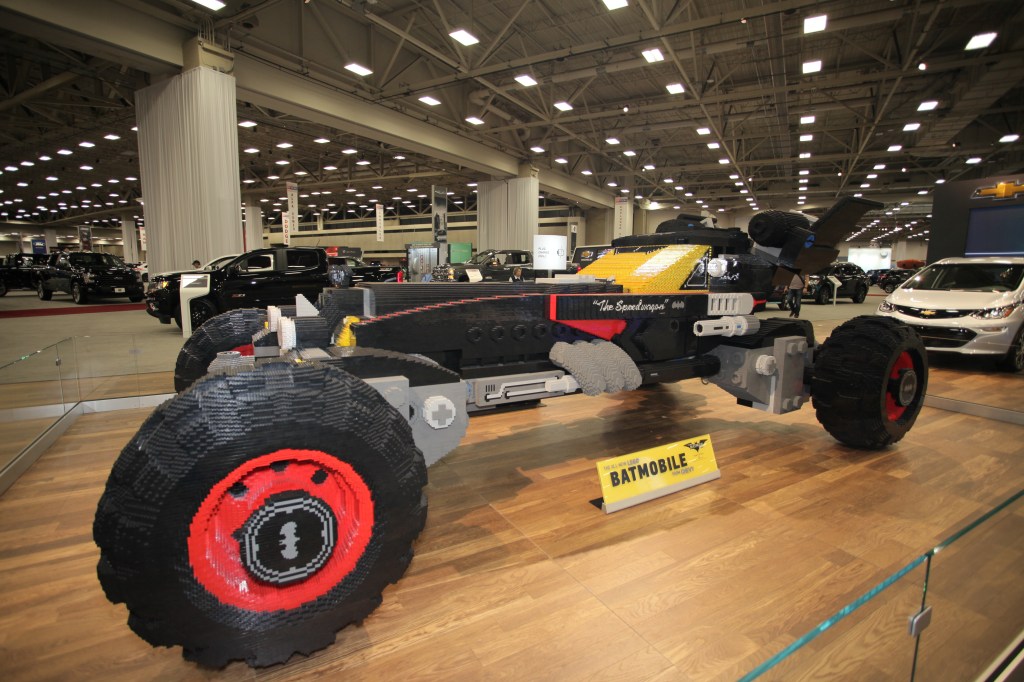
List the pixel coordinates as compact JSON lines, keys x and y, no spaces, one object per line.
{"x":649,"y":474}
{"x":440,"y":213}
{"x":142,"y":233}
{"x":38,"y":245}
{"x":379,"y":208}
{"x":85,"y":237}
{"x":290,"y":219}
{"x":623,"y":224}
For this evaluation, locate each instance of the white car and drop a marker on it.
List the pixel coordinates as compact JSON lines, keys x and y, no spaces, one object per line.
{"x":972,"y":306}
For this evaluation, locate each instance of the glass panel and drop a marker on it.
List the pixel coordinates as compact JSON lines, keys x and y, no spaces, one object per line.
{"x":107,"y":366}
{"x":866,"y":640}
{"x":69,"y":371}
{"x":31,"y":400}
{"x":976,"y":595}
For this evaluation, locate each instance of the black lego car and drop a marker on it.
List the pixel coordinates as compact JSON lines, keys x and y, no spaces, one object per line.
{"x":85,"y":274}
{"x":853,"y":283}
{"x":263,"y":277}
{"x":20,"y":271}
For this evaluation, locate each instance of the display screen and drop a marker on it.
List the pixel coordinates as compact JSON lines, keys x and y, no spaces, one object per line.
{"x":996,"y":231}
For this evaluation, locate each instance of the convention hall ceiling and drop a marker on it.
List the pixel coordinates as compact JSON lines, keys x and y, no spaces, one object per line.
{"x":722,"y":105}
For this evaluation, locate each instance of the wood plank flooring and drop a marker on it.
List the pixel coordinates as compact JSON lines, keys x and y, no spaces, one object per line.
{"x":517,"y":576}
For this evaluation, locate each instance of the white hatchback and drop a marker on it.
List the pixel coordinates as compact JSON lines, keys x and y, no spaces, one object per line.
{"x":972,"y":306}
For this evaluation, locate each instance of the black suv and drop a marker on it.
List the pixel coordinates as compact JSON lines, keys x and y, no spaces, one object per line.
{"x":85,"y":274}
{"x":853,"y":283}
{"x":890,"y":279}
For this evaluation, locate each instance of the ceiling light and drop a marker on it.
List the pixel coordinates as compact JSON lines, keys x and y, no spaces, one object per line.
{"x":713,"y":145}
{"x":464,"y":37}
{"x":362,"y":162}
{"x":563,"y":106}
{"x":1012,"y":137}
{"x":872,"y":176}
{"x":475,"y":120}
{"x":330,"y":168}
{"x":526,"y":80}
{"x":928,"y":105}
{"x":812,"y":67}
{"x":615,"y":4}
{"x":910,"y":127}
{"x":649,"y":167}
{"x":350,"y":151}
{"x":65,"y":152}
{"x":246,"y":124}
{"x":44,"y":157}
{"x":806,"y":137}
{"x":588,"y":172}
{"x":85,"y":167}
{"x":613,"y":184}
{"x":879,"y":166}
{"x":210,"y":4}
{"x":940,"y":181}
{"x":282,"y":162}
{"x":301,"y":172}
{"x":815,"y":24}
{"x":284,"y":145}
{"x":805,"y":155}
{"x":675,"y":88}
{"x":431,"y":101}
{"x":653,"y":55}
{"x":629,"y":152}
{"x":248,"y":181}
{"x":537,"y":149}
{"x":111,"y":136}
{"x":865,"y":185}
{"x":980,"y":41}
{"x":723,"y":161}
{"x":358,"y":69}
{"x":321,"y":140}
{"x":895,"y":147}
{"x":250,"y":150}
{"x":802,"y":180}
{"x":561,"y":160}
{"x":805,"y":172}
{"x":612,"y":140}
{"x":804,"y":120}
{"x":973,"y":160}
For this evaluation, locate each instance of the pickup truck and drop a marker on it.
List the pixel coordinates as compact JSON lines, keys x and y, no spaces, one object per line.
{"x":271,"y":502}
{"x":493,"y":266}
{"x":85,"y":274}
{"x":20,"y":271}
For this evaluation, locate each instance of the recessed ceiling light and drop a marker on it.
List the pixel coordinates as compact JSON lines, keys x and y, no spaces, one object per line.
{"x":805,"y":155}
{"x":675,"y":88}
{"x":615,"y":4}
{"x":713,"y":145}
{"x":980,"y":41}
{"x":940,"y":181}
{"x":879,"y":166}
{"x":246,"y":124}
{"x":362,"y":162}
{"x":895,"y":147}
{"x":210,"y":4}
{"x":812,"y":66}
{"x":430,"y":101}
{"x":928,"y":105}
{"x":973,"y":160}
{"x":65,"y":152}
{"x":321,"y":140}
{"x":563,"y":106}
{"x":526,"y":80}
{"x":806,"y":137}
{"x":44,"y":157}
{"x":282,"y":162}
{"x":350,"y":151}
{"x":111,"y":136}
{"x":805,"y":120}
{"x":475,"y":120}
{"x":250,"y":150}
{"x":815,"y":24}
{"x":910,"y":127}
{"x":612,"y":140}
{"x":653,"y":55}
{"x":1012,"y":137}
{"x":464,"y":37}
{"x":629,"y":152}
{"x":723,"y":161}
{"x":358,"y":69}
{"x":588,"y":172}
{"x":284,"y":145}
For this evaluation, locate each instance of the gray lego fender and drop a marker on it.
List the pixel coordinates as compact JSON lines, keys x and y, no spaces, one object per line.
{"x":437,"y":413}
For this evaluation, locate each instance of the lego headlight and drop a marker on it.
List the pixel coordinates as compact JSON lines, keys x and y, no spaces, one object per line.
{"x":1000,"y":313}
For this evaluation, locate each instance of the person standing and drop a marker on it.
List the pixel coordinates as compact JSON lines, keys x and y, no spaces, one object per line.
{"x":796,"y":290}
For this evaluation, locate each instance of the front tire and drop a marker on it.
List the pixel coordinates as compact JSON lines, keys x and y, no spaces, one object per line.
{"x":3,"y":287}
{"x":259,"y":512}
{"x":824,"y":295}
{"x":78,"y":294}
{"x":860,"y":293}
{"x":231,"y":331}
{"x":869,"y":381}
{"x":201,"y":310}
{"x":889,"y":288}
{"x":43,"y":293}
{"x":1013,"y":361}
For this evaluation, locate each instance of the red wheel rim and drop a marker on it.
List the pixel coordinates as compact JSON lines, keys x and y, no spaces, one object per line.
{"x":893,"y":410}
{"x":246,"y":349}
{"x":244,"y":545}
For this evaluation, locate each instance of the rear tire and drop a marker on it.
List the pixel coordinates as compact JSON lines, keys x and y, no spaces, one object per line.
{"x":43,"y":293}
{"x":824,"y":295}
{"x":235,"y":537}
{"x":889,"y":288}
{"x":231,"y":331}
{"x":869,"y":381}
{"x":860,"y":293}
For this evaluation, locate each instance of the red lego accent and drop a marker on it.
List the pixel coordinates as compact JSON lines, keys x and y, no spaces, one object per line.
{"x":602,"y":329}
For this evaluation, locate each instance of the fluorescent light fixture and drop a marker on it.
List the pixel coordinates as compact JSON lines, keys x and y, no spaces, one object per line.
{"x":812,"y":67}
{"x":65,"y":152}
{"x":872,"y":176}
{"x":806,"y":137}
{"x":815,"y":24}
{"x":865,"y":185}
{"x":210,"y":4}
{"x":330,"y":168}
{"x":928,"y":105}
{"x":427,"y":99}
{"x":561,"y":160}
{"x":526,"y":80}
{"x":563,"y":106}
{"x":980,"y":41}
{"x":350,"y":151}
{"x":910,"y":127}
{"x":805,"y":155}
{"x":1012,"y":137}
{"x":973,"y":160}
{"x":537,"y":149}
{"x":358,"y":69}
{"x":613,"y":184}
{"x":250,"y":150}
{"x":321,"y":140}
{"x":85,"y":168}
{"x":612,"y":140}
{"x":723,"y":161}
{"x":282,"y":162}
{"x":878,"y":166}
{"x":615,"y":4}
{"x":27,"y":163}
{"x":246,"y":124}
{"x":675,"y":88}
{"x":629,"y":152}
{"x":703,"y":131}
{"x":588,"y":172}
{"x":648,"y":166}
{"x":111,"y":136}
{"x":713,"y":145}
{"x":464,"y":37}
{"x":804,"y":120}
{"x":44,"y":157}
{"x":940,"y":181}
{"x":894,"y":147}
{"x":362,"y":162}
{"x":805,"y":172}
{"x":653,"y":55}
{"x":86,"y":144}
{"x":475,"y":120}
{"x":284,"y":145}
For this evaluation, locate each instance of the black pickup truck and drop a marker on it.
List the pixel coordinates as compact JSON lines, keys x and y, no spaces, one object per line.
{"x":85,"y":274}
{"x":20,"y":271}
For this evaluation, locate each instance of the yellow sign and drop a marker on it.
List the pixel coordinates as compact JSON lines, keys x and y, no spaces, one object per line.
{"x":648,"y":474}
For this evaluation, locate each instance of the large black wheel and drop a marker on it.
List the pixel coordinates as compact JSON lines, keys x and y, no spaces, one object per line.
{"x":869,"y":381}
{"x":231,"y":331}
{"x":201,"y":311}
{"x":1013,"y":361}
{"x":824,"y":295}
{"x":860,"y":293}
{"x":258,"y":513}
{"x":79,"y":294}
{"x":889,"y":288}
{"x":43,"y":293}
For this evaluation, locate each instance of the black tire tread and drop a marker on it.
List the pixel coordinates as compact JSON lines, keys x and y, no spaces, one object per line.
{"x":223,"y":332}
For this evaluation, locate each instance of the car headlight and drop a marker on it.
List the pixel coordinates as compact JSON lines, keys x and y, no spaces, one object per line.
{"x":813,"y":278}
{"x":156,"y":286}
{"x":886,"y":307}
{"x":87,"y":277}
{"x":995,"y":313}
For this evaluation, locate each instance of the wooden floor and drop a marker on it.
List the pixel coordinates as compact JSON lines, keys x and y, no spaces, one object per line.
{"x":517,"y":576}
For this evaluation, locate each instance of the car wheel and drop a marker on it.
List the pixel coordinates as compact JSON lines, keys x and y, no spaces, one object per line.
{"x":43,"y":293}
{"x":869,"y":381}
{"x":1013,"y":361}
{"x":136,"y":299}
{"x":231,"y":331}
{"x":889,"y":288}
{"x":782,"y":305}
{"x":236,"y":537}
{"x":78,"y":294}
{"x":824,"y":295}
{"x":3,"y":287}
{"x":860,"y":293}
{"x":201,"y":311}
